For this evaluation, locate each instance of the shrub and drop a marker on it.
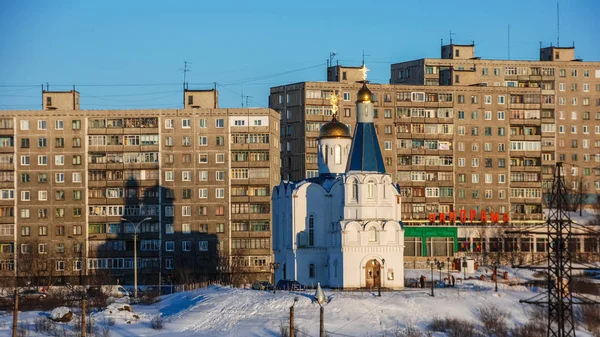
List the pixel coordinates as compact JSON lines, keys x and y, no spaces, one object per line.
{"x":43,"y":325}
{"x":454,"y":327}
{"x":105,"y":331}
{"x":23,"y":329}
{"x":590,"y":317}
{"x":284,"y":330}
{"x":494,"y":320}
{"x":409,"y":331}
{"x":157,"y":322}
{"x":438,"y":324}
{"x":460,"y":328}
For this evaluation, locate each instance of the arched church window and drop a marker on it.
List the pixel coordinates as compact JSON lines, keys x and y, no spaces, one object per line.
{"x":338,"y":155}
{"x":311,"y":231}
{"x":354,"y":190}
{"x":383,"y":190}
{"x":325,"y":154}
{"x":371,"y":190}
{"x":372,"y":234}
{"x":311,"y":270}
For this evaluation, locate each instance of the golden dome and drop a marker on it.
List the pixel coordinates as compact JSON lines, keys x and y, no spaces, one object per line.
{"x":334,"y":129}
{"x":364,"y":94}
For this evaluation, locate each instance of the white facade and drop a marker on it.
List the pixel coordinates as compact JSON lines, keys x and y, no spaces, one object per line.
{"x":341,"y":229}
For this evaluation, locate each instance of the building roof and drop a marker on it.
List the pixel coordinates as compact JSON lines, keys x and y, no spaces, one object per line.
{"x":365,"y":154}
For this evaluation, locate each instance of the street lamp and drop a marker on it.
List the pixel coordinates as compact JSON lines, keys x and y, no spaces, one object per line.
{"x":431,"y":265}
{"x":274,"y":267}
{"x":449,"y":279}
{"x":464,"y":267}
{"x":380,"y":276}
{"x":440,"y":266}
{"x":135,"y":227}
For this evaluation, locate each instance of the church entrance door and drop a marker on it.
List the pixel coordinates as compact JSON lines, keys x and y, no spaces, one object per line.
{"x":373,"y":276}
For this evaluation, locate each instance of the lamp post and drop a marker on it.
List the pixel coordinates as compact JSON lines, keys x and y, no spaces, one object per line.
{"x":135,"y":227}
{"x":440,"y":266}
{"x":449,"y":265}
{"x":464,"y":267}
{"x":431,"y":265}
{"x":381,"y":276}
{"x":274,"y":267}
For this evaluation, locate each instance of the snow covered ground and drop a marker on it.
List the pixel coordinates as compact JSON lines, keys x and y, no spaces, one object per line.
{"x":224,"y":311}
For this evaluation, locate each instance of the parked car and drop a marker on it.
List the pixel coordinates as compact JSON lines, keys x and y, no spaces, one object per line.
{"x":32,"y":294}
{"x":290,"y":285}
{"x":262,"y":285}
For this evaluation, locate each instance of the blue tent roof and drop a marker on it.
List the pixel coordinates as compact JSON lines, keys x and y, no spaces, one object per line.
{"x":365,"y":154}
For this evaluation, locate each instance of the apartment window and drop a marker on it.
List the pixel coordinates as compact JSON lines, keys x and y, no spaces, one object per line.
{"x":169,"y":246}
{"x":461,"y":115}
{"x":220,"y":193}
{"x":186,"y":228}
{"x":487,"y":115}
{"x":501,"y":99}
{"x":203,"y":158}
{"x":220,"y":175}
{"x":186,"y":210}
{"x":203,"y":193}
{"x":169,"y":228}
{"x":203,"y":141}
{"x":186,"y":176}
{"x":169,"y":141}
{"x":187,"y":193}
{"x":220,"y":158}
{"x":186,"y":123}
{"x":388,"y":145}
{"x":474,"y":115}
{"x":186,"y":141}
{"x":42,"y":160}
{"x":487,"y":99}
{"x":24,"y":125}
{"x":202,"y":123}
{"x":59,"y":160}
{"x":501,"y":131}
{"x":42,"y":142}
{"x":59,"y":177}
{"x":220,"y":140}
{"x":170,"y":123}
{"x":77,"y":195}
{"x":42,"y":125}
{"x":501,"y":178}
{"x":203,"y":175}
{"x":474,"y":131}
{"x":169,"y":176}
{"x":76,"y":142}
{"x":24,"y":143}
{"x":220,"y":123}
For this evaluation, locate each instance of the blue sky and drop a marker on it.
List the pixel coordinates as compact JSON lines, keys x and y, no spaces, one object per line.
{"x":250,"y":46}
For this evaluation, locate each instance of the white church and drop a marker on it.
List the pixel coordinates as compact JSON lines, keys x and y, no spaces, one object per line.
{"x":342,"y":229}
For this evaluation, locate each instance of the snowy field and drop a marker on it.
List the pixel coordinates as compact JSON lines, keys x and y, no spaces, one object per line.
{"x":224,"y":311}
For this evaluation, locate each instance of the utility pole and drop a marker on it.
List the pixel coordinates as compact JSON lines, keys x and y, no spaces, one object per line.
{"x":16,"y":312}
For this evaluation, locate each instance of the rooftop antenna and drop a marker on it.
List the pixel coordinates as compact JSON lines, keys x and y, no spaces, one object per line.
{"x":247,"y":96}
{"x":47,"y":86}
{"x":331,"y":57}
{"x":363,"y":57}
{"x":451,"y":36}
{"x":186,"y":69}
{"x":557,"y":25}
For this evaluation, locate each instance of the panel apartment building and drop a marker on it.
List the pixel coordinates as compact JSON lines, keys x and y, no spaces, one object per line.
{"x":459,"y":147}
{"x":196,"y":181}
{"x":570,"y":96}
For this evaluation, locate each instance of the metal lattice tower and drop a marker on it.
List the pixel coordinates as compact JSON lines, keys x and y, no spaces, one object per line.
{"x":560,"y":229}
{"x":559,"y":226}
